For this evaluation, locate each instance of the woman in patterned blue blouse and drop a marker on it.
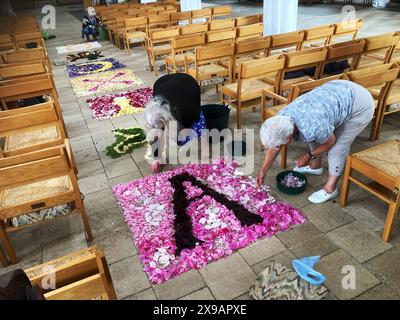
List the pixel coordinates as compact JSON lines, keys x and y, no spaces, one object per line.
{"x":329,"y":118}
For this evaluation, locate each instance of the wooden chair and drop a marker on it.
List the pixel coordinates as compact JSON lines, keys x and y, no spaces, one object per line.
{"x":250,"y":31}
{"x":378,"y":49}
{"x":349,"y":50}
{"x":178,"y":18}
{"x":378,"y":80}
{"x":27,"y":87}
{"x":82,"y":275}
{"x":211,"y":63}
{"x":250,"y":50}
{"x":23,"y":69}
{"x":183,"y":46}
{"x":220,"y":37}
{"x":286,"y":41}
{"x":246,"y":20}
{"x":318,"y":36}
{"x":392,"y":98}
{"x":201,"y":14}
{"x":159,"y":44}
{"x":35,"y":181}
{"x":247,"y":92}
{"x":278,"y":103}
{"x":221,"y":11}
{"x":301,"y":60}
{"x":134,"y":32}
{"x":193,"y":28}
{"x":347,"y":30}
{"x":31,"y":128}
{"x":221,"y":24}
{"x":21,"y":39}
{"x":381,"y":165}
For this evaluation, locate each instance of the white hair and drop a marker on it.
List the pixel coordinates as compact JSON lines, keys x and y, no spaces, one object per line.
{"x":158,"y":113}
{"x":275,"y":131}
{"x":91,"y":11}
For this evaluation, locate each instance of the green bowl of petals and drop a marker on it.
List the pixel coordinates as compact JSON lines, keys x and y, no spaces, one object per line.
{"x":92,"y":56}
{"x":291,"y":182}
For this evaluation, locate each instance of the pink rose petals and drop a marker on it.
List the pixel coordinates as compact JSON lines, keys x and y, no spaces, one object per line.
{"x":148,"y":210}
{"x":115,"y":105}
{"x":292,"y":181}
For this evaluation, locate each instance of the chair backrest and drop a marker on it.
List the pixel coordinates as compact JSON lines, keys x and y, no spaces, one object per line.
{"x":305,"y":58}
{"x":135,"y":23}
{"x":221,"y":37}
{"x":207,"y":54}
{"x":21,"y":39}
{"x":222,"y":11}
{"x":188,"y":42}
{"x":23,"y":118}
{"x":347,"y":29}
{"x":82,"y":275}
{"x":183,"y":16}
{"x":250,"y":31}
{"x":261,"y":68}
{"x":244,"y":21}
{"x":202,"y":13}
{"x":221,"y":24}
{"x":253,"y":46}
{"x":17,"y":70}
{"x":320,"y":34}
{"x":6,"y":42}
{"x":35,"y":166}
{"x":194,"y":28}
{"x":25,"y":55}
{"x":379,"y":75}
{"x":287,"y":40}
{"x":158,"y":20}
{"x":163,"y":35}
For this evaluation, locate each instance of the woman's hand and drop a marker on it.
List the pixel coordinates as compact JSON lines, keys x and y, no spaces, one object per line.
{"x":303,"y":161}
{"x":155,"y":166}
{"x":260,"y":178}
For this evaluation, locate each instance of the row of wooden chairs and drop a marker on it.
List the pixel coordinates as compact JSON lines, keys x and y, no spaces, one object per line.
{"x":244,"y":93}
{"x":173,"y":41}
{"x":37,"y":166}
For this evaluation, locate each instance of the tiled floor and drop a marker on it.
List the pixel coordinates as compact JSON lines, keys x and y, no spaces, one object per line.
{"x":342,"y":237}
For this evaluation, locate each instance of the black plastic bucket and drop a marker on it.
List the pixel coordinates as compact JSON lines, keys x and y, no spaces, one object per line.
{"x":216,"y":116}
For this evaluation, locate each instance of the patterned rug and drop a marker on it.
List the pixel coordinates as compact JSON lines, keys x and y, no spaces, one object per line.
{"x":87,"y":46}
{"x":105,"y":82}
{"x":120,"y":104}
{"x":188,"y":217}
{"x":93,"y":67}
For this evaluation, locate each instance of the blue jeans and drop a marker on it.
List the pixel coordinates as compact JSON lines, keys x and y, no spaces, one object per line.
{"x":87,"y":31}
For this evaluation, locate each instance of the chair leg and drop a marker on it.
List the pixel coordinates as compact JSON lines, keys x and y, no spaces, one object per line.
{"x":284,"y":157}
{"x":392,"y":212}
{"x":344,"y":194}
{"x":85,"y":220}
{"x":3,"y":259}
{"x":239,"y":115}
{"x":6,"y":243}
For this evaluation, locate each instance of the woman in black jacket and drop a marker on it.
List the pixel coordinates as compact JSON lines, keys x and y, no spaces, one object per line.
{"x":176,"y":97}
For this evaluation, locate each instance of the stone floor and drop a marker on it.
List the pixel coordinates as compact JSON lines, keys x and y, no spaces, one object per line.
{"x":349,"y":236}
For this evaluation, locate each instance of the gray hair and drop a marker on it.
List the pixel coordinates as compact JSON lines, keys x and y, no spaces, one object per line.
{"x":275,"y":131}
{"x":158,"y":113}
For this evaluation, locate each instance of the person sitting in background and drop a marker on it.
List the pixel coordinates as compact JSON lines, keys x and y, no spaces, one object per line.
{"x":90,"y":24}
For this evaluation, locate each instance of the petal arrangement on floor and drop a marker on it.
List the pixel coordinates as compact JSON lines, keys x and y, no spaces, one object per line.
{"x":120,"y":104}
{"x":93,"y":67}
{"x":86,"y":46}
{"x":174,"y":235}
{"x":105,"y":82}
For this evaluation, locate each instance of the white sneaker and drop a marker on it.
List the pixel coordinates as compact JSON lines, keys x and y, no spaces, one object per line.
{"x":322,"y":196}
{"x":308,"y":170}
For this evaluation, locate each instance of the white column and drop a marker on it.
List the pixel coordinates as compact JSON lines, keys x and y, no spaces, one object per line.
{"x":188,"y":5}
{"x":280,"y":16}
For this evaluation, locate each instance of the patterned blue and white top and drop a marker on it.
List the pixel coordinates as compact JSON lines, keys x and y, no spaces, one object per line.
{"x":198,"y":128}
{"x":318,"y":113}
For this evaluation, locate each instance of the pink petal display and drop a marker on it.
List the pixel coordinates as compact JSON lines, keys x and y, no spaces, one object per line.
{"x":148,"y":210}
{"x":111,"y":106}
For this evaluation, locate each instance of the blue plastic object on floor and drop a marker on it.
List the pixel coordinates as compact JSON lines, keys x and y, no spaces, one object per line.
{"x":304,"y":268}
